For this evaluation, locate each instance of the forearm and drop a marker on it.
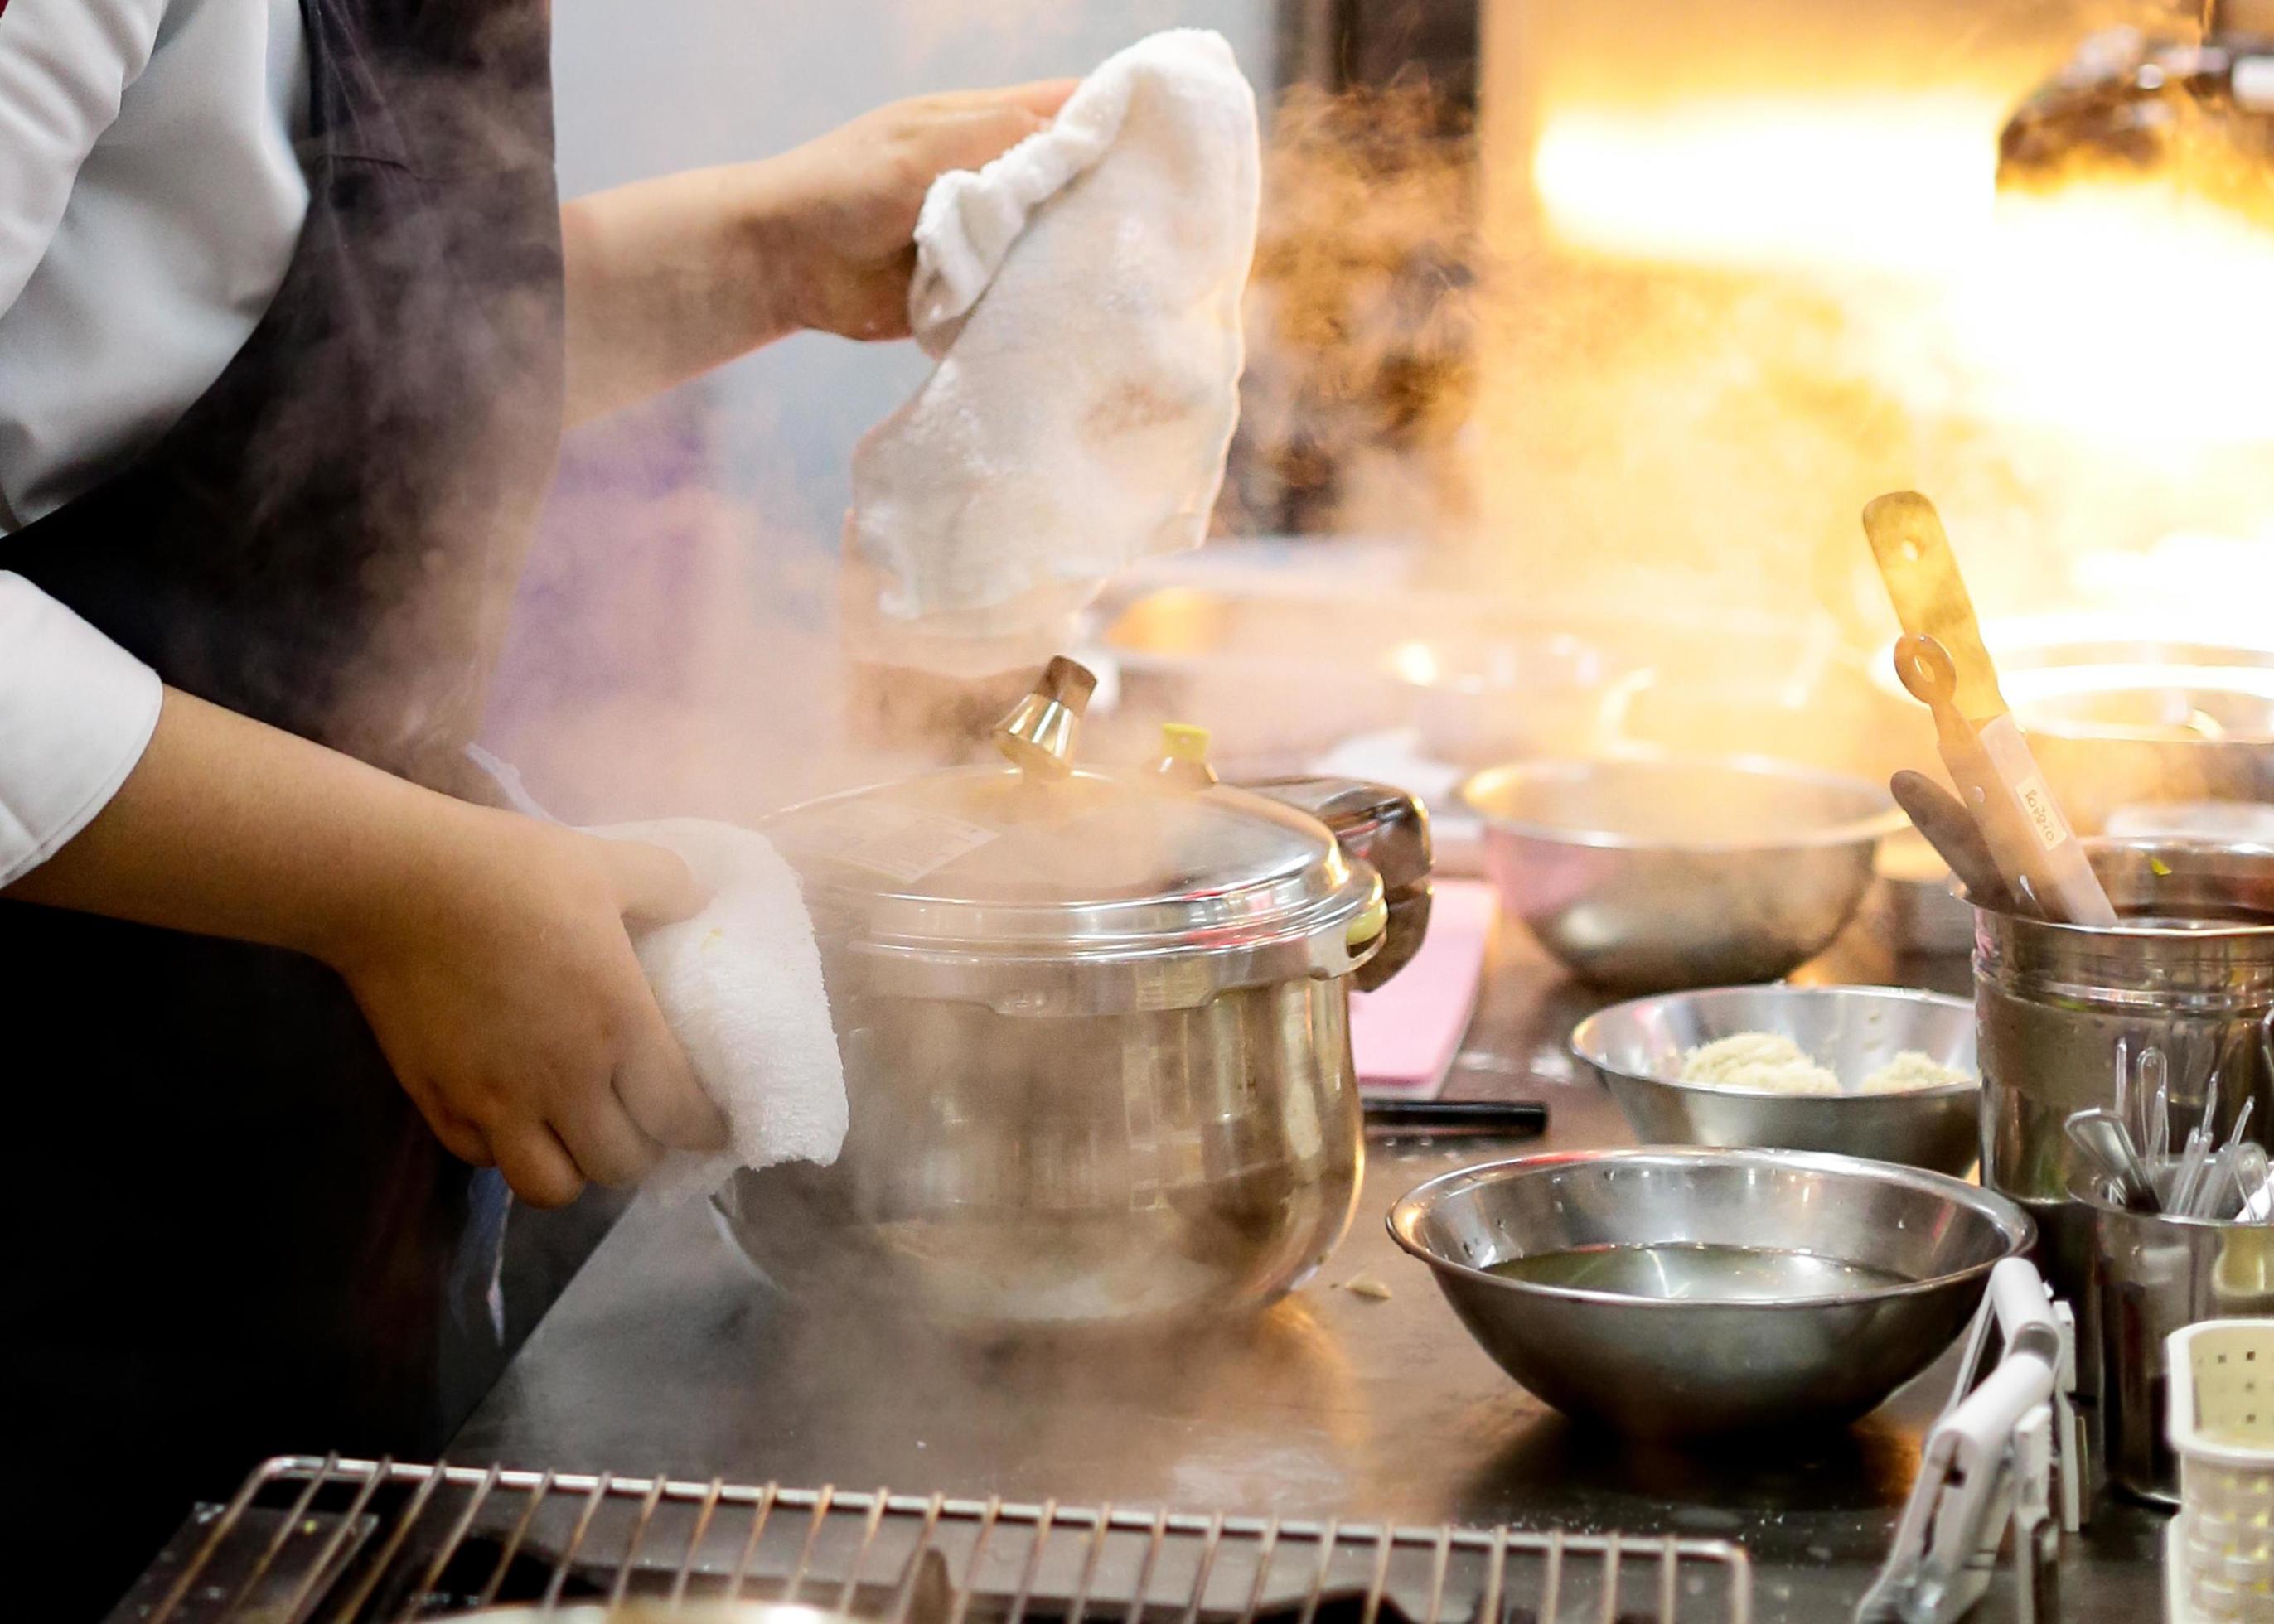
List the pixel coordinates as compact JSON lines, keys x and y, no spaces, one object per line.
{"x":487,"y":951}
{"x":229,"y":828}
{"x":668,"y":279}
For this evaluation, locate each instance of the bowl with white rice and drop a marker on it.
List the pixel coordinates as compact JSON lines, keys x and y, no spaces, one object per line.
{"x":1875,"y":1071}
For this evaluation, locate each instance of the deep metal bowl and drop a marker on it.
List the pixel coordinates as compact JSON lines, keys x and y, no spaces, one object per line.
{"x":2120,"y":722}
{"x":1818,"y":1348}
{"x":1636,"y":1049}
{"x":1661,"y":872}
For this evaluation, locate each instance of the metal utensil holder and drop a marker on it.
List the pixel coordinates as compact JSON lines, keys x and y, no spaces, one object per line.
{"x":2150,"y":1276}
{"x":2190,"y":970}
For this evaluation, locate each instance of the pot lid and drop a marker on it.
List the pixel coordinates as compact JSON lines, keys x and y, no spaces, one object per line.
{"x":1039,"y":888}
{"x":994,"y":860}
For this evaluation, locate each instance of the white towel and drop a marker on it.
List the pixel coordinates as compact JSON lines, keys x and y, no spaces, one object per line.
{"x":739,"y":985}
{"x":1081,"y":294}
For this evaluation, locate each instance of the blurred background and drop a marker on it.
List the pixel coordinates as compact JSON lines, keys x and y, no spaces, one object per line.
{"x":1580,"y":332}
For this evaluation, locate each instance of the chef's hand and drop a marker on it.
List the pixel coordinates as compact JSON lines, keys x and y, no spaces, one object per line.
{"x":667,"y":278}
{"x":506,"y":995}
{"x":491,"y":953}
{"x":848,"y":202}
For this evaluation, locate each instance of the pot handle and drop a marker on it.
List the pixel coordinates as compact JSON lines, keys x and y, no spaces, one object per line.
{"x":1388,"y":831}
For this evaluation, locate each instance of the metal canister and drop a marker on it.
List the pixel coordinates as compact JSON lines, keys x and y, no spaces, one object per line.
{"x":2150,"y":1277}
{"x":2189,"y":970}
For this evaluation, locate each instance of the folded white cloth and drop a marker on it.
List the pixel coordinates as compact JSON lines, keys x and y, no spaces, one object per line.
{"x":739,"y":985}
{"x":1081,"y":294}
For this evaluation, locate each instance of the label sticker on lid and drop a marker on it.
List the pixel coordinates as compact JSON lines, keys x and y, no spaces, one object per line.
{"x":903,"y":844}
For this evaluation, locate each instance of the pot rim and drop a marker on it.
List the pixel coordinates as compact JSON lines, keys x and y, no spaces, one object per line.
{"x":1864,"y":830}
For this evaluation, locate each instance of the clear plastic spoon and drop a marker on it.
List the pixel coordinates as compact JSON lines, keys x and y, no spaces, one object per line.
{"x":2107,"y":1143}
{"x":2251,"y":1173}
{"x":2185,"y":1181}
{"x":2216,"y":1193}
{"x":2156,"y":1106}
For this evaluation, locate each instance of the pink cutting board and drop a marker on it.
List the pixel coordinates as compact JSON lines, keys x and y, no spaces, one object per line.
{"x":1405,"y":1035}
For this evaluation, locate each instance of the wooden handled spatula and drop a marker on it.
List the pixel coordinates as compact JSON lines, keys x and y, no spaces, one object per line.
{"x":1942,"y":662}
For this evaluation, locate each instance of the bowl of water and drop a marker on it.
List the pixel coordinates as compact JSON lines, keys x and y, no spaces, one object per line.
{"x":1675,"y":1293}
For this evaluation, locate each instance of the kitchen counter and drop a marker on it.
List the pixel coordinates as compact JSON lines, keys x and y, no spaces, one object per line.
{"x":669,"y":1352}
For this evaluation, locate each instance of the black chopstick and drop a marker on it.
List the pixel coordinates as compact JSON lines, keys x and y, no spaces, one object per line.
{"x":1503,"y":1116}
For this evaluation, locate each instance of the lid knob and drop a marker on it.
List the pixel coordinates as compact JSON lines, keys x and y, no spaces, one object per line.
{"x":1183,"y":741}
{"x":1037,"y":737}
{"x":1184,"y":755}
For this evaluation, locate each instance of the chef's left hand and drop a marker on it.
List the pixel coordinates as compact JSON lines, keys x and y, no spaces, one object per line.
{"x":845,"y":204}
{"x":667,"y":278}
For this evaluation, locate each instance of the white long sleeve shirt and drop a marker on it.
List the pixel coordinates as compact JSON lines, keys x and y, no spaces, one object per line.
{"x":149,"y":203}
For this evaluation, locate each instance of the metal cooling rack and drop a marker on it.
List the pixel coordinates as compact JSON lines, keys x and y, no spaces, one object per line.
{"x":362,"y":1541}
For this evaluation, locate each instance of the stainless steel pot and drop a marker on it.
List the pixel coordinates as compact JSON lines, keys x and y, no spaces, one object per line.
{"x":1095,"y":1028}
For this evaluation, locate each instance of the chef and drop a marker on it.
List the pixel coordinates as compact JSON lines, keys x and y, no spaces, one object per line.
{"x":290,"y":321}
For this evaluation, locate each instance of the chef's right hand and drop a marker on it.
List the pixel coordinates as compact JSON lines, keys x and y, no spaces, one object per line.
{"x":503,"y":988}
{"x":491,"y":953}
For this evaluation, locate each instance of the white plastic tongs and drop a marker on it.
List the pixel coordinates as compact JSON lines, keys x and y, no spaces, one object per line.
{"x":2006,"y":1449}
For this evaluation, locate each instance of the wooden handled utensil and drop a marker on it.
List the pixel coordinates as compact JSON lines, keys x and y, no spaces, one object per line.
{"x":1950,"y":829}
{"x":1915,"y":561}
{"x":2036,"y":855}
{"x":1942,"y":661}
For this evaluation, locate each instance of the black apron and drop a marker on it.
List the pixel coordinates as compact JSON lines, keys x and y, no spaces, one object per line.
{"x":232,"y":1234}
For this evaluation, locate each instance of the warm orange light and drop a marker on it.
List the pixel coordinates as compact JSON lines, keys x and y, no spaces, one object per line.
{"x":2123,"y":313}
{"x":1774,"y":182}
{"x":2119,"y":310}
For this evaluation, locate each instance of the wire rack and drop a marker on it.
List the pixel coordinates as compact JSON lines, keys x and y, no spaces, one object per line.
{"x":366,"y":1542}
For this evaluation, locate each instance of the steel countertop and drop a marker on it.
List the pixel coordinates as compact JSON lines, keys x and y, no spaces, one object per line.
{"x":669,"y":1352}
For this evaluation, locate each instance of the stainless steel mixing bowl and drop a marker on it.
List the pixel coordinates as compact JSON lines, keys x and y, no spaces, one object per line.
{"x":1636,"y":1048}
{"x":1659,"y":872}
{"x":1863,"y":1274}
